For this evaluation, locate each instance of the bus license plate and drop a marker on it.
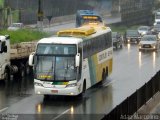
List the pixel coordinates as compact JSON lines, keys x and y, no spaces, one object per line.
{"x":54,"y":91}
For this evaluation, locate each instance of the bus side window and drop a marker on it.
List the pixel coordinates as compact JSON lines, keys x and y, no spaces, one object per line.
{"x":102,"y":42}
{"x":85,"y":50}
{"x":92,"y":46}
{"x":106,"y":41}
{"x":88,"y":49}
{"x":96,"y":44}
{"x":1,"y":47}
{"x":80,"y":67}
{"x":110,"y":39}
{"x":99,"y":44}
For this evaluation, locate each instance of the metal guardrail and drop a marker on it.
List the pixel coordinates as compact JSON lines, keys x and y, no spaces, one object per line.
{"x":132,"y":103}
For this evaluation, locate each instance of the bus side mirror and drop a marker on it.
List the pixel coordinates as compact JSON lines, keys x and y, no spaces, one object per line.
{"x":77,"y":60}
{"x":31,"y":57}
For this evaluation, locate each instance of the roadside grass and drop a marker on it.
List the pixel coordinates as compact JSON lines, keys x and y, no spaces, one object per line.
{"x":24,"y":35}
{"x":122,"y":28}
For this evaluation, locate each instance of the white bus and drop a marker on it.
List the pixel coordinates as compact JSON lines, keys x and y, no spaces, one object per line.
{"x":73,"y":61}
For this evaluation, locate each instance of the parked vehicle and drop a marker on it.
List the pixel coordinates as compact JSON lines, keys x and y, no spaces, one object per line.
{"x":149,"y":42}
{"x":15,"y":26}
{"x":143,"y":30}
{"x":132,"y":36}
{"x":14,"y":58}
{"x":117,"y":40}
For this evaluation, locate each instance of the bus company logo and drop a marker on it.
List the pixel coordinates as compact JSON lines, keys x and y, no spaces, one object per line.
{"x":104,"y":55}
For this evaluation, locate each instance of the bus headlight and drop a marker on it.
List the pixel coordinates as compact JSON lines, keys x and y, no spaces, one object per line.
{"x":72,"y":85}
{"x":38,"y":84}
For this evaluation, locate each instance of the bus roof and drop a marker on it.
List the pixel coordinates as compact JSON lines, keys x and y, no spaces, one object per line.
{"x":83,"y":31}
{"x":60,"y":40}
{"x":70,"y":38}
{"x":87,"y":12}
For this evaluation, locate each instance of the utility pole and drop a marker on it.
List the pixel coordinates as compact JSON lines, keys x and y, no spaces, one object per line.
{"x":40,"y":16}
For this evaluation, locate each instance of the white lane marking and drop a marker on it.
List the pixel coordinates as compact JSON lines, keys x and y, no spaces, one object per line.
{"x":3,"y":109}
{"x":61,"y":114}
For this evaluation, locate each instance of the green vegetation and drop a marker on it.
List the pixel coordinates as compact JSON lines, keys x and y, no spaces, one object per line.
{"x":122,"y":28}
{"x":24,"y":35}
{"x":1,"y":3}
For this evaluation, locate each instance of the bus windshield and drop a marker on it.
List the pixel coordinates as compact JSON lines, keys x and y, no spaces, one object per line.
{"x":55,"y":62}
{"x":56,"y":68}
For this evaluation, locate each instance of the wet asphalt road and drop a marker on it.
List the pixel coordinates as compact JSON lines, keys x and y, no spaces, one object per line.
{"x":131,"y":69}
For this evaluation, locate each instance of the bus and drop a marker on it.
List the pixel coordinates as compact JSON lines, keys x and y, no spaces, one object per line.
{"x":85,"y":17}
{"x":72,"y":61}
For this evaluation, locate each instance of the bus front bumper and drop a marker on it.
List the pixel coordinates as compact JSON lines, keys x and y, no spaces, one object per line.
{"x":69,"y":91}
